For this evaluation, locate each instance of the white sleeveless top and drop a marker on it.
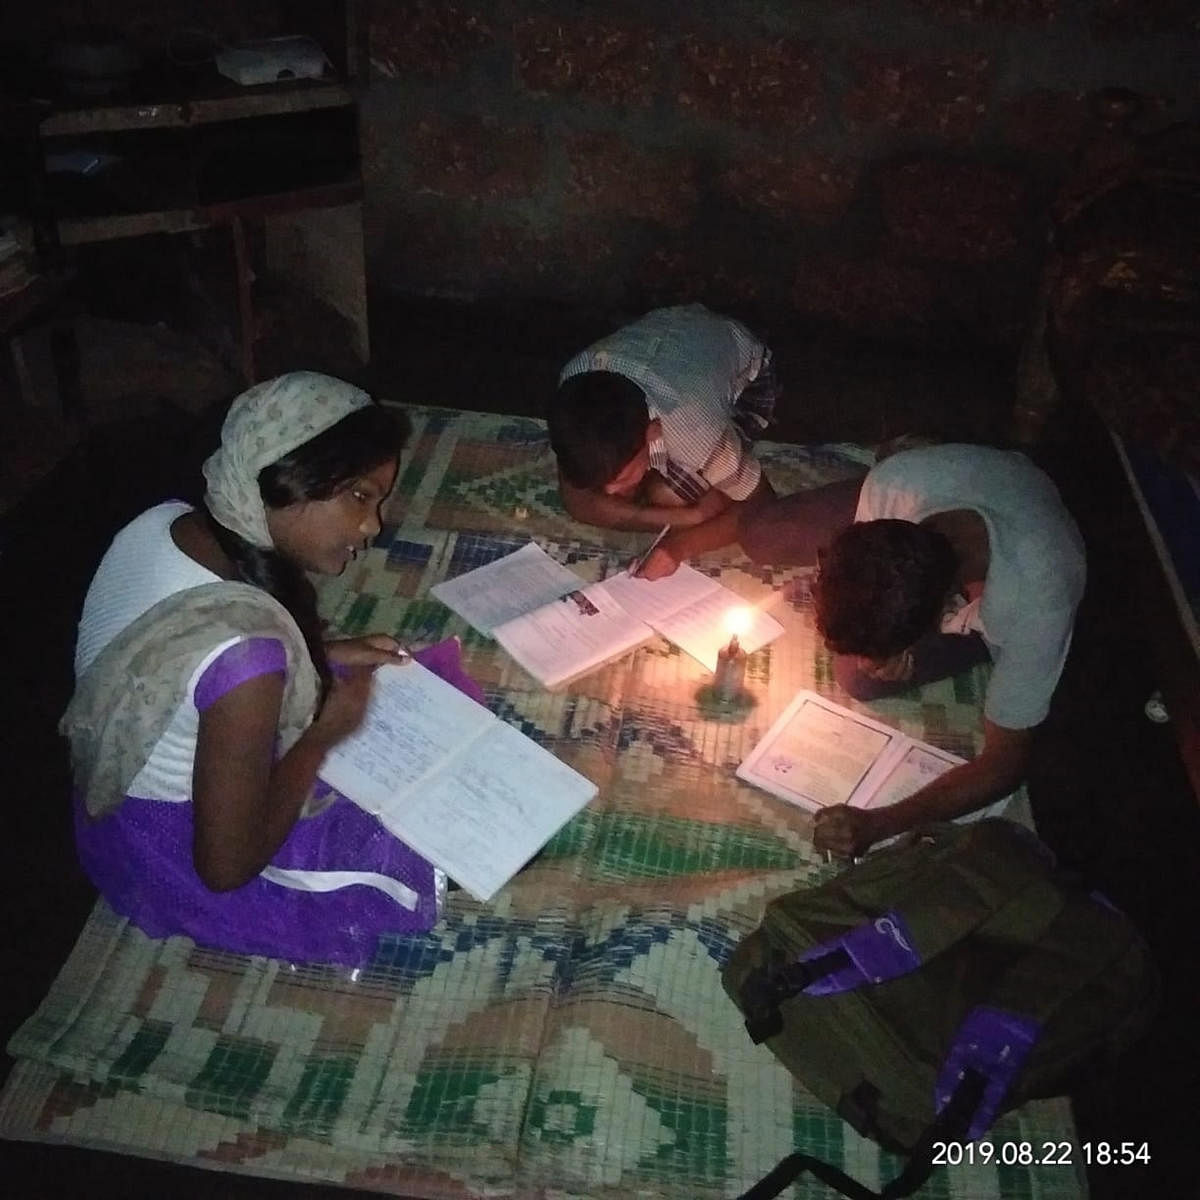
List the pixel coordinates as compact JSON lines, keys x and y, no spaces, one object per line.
{"x":141,"y":567}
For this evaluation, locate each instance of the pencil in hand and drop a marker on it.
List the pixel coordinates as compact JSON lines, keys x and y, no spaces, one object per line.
{"x":639,"y":562}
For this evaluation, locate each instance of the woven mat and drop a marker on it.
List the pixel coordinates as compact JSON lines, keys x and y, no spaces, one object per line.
{"x":569,"y":1039}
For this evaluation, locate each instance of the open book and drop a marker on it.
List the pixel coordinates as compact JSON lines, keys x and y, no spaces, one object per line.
{"x":468,"y":792}
{"x":558,"y":630}
{"x":818,"y":754}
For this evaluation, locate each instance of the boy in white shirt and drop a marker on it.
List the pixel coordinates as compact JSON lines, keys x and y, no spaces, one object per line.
{"x":957,"y":554}
{"x":652,"y":426}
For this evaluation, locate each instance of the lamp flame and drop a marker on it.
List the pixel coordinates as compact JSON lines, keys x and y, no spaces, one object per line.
{"x":738,"y":620}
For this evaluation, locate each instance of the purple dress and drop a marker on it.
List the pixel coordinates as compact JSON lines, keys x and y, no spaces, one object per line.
{"x":140,"y":858}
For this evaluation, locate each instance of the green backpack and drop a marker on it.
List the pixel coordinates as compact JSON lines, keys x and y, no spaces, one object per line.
{"x":936,"y":984}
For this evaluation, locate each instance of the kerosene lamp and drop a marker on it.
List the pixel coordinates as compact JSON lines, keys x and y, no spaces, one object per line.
{"x":726,"y":697}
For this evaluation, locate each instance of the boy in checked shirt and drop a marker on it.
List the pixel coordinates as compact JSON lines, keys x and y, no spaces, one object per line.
{"x":652,"y":427}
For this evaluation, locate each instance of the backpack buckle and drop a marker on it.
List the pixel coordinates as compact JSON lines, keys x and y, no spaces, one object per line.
{"x":761,"y":994}
{"x":763,"y":1025}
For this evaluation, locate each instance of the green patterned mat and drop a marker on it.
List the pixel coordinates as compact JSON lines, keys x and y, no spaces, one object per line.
{"x":570,"y":1039}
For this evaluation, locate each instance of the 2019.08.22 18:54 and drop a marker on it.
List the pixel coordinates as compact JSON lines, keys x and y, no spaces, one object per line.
{"x":1040,"y":1154}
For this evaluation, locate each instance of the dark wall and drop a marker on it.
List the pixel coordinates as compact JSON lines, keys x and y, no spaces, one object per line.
{"x":883,"y":168}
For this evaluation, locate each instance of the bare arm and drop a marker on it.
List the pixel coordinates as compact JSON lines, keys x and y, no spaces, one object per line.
{"x":718,"y":527}
{"x":245,"y":802}
{"x":615,"y":512}
{"x":721,"y":528}
{"x":998,"y":768}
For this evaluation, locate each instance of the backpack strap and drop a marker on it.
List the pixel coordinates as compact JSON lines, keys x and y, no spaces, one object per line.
{"x":947,"y":1127}
{"x":995,"y":1039}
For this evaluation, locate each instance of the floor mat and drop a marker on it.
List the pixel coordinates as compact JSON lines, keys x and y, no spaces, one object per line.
{"x":569,"y":1039}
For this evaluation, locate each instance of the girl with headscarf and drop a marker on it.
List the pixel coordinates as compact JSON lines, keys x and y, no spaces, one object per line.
{"x":206,"y":698}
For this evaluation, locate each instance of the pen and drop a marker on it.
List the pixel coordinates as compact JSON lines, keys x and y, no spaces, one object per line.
{"x":640,"y":561}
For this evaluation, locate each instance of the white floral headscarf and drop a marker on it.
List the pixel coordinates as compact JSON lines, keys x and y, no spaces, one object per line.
{"x":264,"y":423}
{"x":124,"y":701}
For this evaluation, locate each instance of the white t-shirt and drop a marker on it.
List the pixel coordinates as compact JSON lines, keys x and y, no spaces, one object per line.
{"x":1036,"y":570}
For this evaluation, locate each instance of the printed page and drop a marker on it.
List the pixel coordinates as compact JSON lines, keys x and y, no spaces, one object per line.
{"x":912,"y":771}
{"x":919,"y":764}
{"x":701,"y":629}
{"x":415,"y":723}
{"x":654,"y":600}
{"x":501,"y":590}
{"x":819,"y":754}
{"x":483,"y":819}
{"x":572,"y":635}
{"x":692,"y":610}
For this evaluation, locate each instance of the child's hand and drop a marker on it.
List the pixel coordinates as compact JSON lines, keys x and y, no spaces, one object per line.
{"x":660,"y":562}
{"x":372,"y":650}
{"x":844,"y":831}
{"x":345,"y":705}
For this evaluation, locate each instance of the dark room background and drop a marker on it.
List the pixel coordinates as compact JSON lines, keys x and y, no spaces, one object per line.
{"x":884,"y":167}
{"x":883,"y":170}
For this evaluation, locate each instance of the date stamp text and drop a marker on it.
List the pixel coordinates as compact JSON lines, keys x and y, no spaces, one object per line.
{"x":1040,"y":1154}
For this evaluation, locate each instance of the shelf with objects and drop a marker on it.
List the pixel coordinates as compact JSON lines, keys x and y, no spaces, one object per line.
{"x":270,"y":168}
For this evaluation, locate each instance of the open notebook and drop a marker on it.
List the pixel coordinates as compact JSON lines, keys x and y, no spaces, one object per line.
{"x":473,"y":795}
{"x":558,"y":630}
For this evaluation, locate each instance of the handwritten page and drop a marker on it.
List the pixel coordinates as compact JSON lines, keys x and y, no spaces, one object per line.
{"x":501,"y":590}
{"x":473,"y":795}
{"x":571,"y":635}
{"x":485,"y":818}
{"x":415,"y":723}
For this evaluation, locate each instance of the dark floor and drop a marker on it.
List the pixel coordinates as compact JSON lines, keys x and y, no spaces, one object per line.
{"x":1108,"y":787}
